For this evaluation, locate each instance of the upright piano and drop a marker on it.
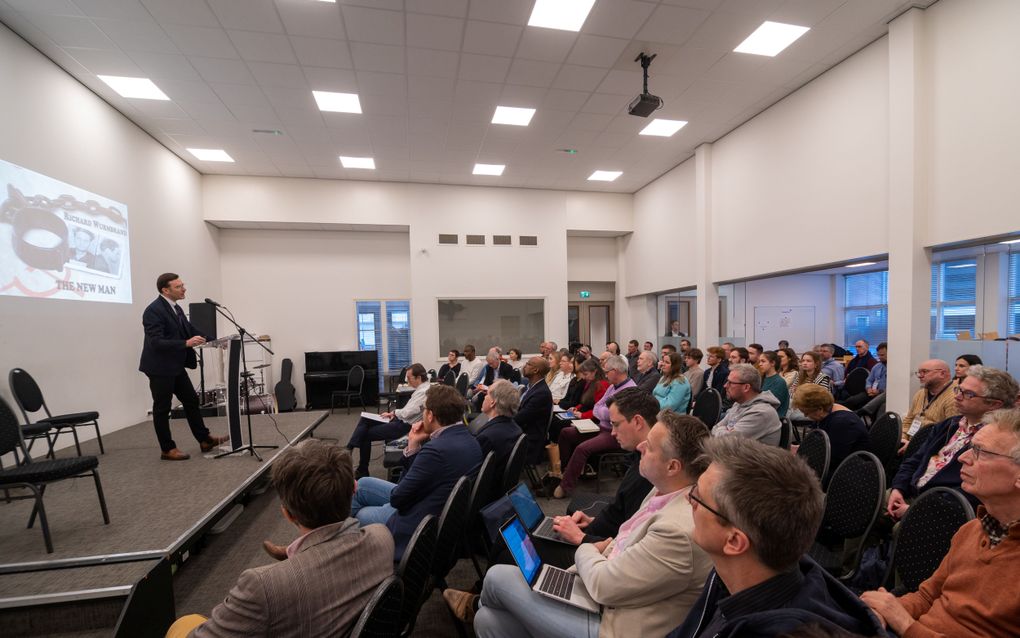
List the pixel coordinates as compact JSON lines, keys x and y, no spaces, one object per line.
{"x":326,"y":372}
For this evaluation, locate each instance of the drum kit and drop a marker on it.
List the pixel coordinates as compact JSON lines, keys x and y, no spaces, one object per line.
{"x":252,"y":386}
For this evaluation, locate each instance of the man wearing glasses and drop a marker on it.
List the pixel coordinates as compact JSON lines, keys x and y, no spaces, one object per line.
{"x":754,"y":413}
{"x":756,"y":510}
{"x":973,"y":593}
{"x":934,"y":402}
{"x":937,"y":462}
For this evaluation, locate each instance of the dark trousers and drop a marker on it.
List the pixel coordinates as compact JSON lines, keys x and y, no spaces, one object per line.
{"x":163,"y":389}
{"x":367,"y":431}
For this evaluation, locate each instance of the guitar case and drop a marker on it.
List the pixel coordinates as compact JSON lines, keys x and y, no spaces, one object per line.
{"x":286,"y":401}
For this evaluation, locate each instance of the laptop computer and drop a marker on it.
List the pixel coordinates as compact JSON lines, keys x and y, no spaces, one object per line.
{"x":546,"y":580}
{"x":531,"y":514}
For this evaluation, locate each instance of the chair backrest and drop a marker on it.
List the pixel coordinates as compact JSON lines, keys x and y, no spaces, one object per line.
{"x":415,"y":569}
{"x":515,"y":376}
{"x":925,"y":534}
{"x":786,"y":433}
{"x":515,"y":463}
{"x":432,"y":375}
{"x":916,"y":441}
{"x":450,"y":379}
{"x":381,"y":616}
{"x":452,"y":522}
{"x":483,"y":490}
{"x":397,"y":380}
{"x":26,"y":392}
{"x":355,"y":379}
{"x":816,"y":450}
{"x":884,"y":439}
{"x":462,"y":383}
{"x":708,"y":406}
{"x":856,"y":381}
{"x":10,"y":431}
{"x":855,"y":496}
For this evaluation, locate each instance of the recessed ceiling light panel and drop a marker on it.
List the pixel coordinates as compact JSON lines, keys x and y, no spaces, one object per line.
{"x":565,"y":15}
{"x":604,"y":176}
{"x":489,"y":169}
{"x":512,"y":115}
{"x":862,"y":264}
{"x":663,"y":128}
{"x":337,"y":102}
{"x":141,"y":88}
{"x":358,"y":162}
{"x":771,"y":38}
{"x":211,"y":154}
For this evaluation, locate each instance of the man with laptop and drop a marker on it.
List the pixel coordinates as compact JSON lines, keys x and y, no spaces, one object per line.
{"x":641,"y":583}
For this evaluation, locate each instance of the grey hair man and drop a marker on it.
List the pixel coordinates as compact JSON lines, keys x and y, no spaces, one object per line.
{"x":647,"y":371}
{"x":754,"y":413}
{"x":500,"y":432}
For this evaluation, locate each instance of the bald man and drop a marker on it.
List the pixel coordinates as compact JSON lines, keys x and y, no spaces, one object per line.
{"x":934,"y":402}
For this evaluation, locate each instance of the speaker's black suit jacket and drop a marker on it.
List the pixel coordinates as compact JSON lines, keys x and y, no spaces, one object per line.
{"x":164,"y":353}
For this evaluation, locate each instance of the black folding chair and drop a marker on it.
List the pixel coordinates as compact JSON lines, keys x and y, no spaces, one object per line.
{"x":884,"y":441}
{"x":450,"y":379}
{"x":816,"y":450}
{"x":916,"y":441}
{"x":515,"y":464}
{"x":708,"y":407}
{"x":853,"y":500}
{"x":452,"y":522}
{"x":35,"y":476}
{"x":856,"y":382}
{"x":924,"y":538}
{"x":381,"y":616}
{"x":462,"y":384}
{"x":483,"y":492}
{"x":355,"y":381}
{"x":786,"y":433}
{"x":390,"y":395}
{"x":30,"y":399}
{"x":415,"y":571}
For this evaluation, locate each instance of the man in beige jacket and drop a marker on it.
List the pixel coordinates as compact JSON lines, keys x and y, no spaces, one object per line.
{"x":646,"y":578}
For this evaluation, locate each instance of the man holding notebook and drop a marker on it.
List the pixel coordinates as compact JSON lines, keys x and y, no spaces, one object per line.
{"x":645,"y":579}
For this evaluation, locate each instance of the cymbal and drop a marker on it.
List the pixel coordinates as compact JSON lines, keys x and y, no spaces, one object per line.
{"x":264,"y":365}
{"x":247,"y":374}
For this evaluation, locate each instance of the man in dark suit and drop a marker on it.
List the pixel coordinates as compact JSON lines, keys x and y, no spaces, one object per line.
{"x":500,"y":432}
{"x":536,"y":408}
{"x":494,"y":369}
{"x":439,"y":451}
{"x":167,"y":350}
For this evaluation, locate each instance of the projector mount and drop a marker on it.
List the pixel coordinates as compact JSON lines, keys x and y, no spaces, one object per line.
{"x":646,"y":103}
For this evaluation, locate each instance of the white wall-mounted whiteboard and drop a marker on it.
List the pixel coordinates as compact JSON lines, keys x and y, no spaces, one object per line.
{"x":795,"y":324}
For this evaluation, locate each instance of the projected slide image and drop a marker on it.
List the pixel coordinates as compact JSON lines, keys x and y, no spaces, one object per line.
{"x":58,"y":241}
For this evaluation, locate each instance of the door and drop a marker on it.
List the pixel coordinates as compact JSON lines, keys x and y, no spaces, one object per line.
{"x":591,"y":323}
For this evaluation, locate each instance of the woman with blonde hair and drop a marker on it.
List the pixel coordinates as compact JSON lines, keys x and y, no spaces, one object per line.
{"x":811,"y":372}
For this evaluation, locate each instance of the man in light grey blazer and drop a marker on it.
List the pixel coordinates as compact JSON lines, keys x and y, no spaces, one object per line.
{"x":332,"y":568}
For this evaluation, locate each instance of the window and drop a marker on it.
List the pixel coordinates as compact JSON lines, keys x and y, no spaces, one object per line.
{"x":953,"y":298}
{"x":866,"y":307}
{"x":1013,"y":308}
{"x":391,"y":340}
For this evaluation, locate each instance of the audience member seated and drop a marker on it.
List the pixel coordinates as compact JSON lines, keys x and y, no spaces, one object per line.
{"x":673,"y":392}
{"x":494,"y":368}
{"x":963,"y":363}
{"x":333,"y":566}
{"x":789,"y":366}
{"x":646,"y":578}
{"x":727,"y":346}
{"x":685,"y":346}
{"x":536,"y":407}
{"x":718,"y":370}
{"x":863,"y":358}
{"x":768,"y":365}
{"x":754,"y":351}
{"x":632,"y":358}
{"x":546,"y":348}
{"x":811,"y":372}
{"x":471,"y":365}
{"x":847,"y":432}
{"x":499,"y":433}
{"x":594,"y":385}
{"x":937,"y":462}
{"x":756,"y":511}
{"x":648,"y":346}
{"x":513,"y":356}
{"x":369,"y":430}
{"x":575,"y":388}
{"x":562,"y":379}
{"x":783,"y":344}
{"x":738,"y":355}
{"x":753,"y":414}
{"x":874,"y":387}
{"x":970,"y":593}
{"x":575,"y":448}
{"x":934,"y":402}
{"x":832,"y":367}
{"x":647,"y":372}
{"x":613,"y":348}
{"x":451,"y":365}
{"x":439,"y":451}
{"x":693,"y":372}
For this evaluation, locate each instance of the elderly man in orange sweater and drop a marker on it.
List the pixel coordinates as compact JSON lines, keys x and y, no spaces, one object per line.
{"x":973,"y":592}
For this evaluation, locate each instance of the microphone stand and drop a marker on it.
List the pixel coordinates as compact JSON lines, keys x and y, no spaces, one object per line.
{"x":251,"y":447}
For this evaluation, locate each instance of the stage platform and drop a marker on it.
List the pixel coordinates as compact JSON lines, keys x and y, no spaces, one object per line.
{"x":157,"y":508}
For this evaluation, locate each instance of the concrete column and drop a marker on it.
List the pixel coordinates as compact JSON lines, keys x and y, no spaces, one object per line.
{"x":909,"y":260}
{"x":708,"y":292}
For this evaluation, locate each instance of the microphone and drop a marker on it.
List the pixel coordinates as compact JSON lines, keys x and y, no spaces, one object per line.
{"x":214,"y":303}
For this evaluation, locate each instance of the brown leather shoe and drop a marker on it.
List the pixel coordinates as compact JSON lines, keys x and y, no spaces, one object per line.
{"x":212,"y":442}
{"x":279,"y":552}
{"x":174,"y":455}
{"x":462,"y":604}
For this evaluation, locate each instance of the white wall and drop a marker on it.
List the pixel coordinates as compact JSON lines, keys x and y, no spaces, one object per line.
{"x":795,"y":290}
{"x":85,"y":355}
{"x":592,"y":259}
{"x":300,"y":287}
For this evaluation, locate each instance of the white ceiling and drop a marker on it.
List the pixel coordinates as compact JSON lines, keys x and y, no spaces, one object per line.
{"x":430,"y":74}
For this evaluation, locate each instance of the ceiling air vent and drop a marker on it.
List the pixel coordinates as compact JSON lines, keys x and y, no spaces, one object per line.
{"x":475,"y":240}
{"x":529,"y":240}
{"x":501,"y":240}
{"x":447,"y":239}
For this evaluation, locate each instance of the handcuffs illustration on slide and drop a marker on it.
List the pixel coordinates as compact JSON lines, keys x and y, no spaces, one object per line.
{"x":40,"y":235}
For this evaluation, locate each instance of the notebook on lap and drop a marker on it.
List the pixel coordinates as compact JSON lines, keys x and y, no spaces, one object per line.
{"x":546,"y":580}
{"x":531,"y":514}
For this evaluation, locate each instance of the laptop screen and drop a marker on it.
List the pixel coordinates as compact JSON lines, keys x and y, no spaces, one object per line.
{"x":526,"y":507}
{"x":522,"y":549}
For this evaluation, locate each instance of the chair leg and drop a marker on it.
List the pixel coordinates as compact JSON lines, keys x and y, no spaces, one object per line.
{"x":77,"y":444}
{"x":99,"y":438}
{"x":39,"y":493}
{"x":102,"y":498}
{"x":42,"y":517}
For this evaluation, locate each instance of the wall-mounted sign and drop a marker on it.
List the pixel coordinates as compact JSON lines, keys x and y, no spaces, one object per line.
{"x":585,"y":294}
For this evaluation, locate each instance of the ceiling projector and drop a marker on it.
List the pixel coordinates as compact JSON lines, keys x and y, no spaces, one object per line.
{"x":645,"y":103}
